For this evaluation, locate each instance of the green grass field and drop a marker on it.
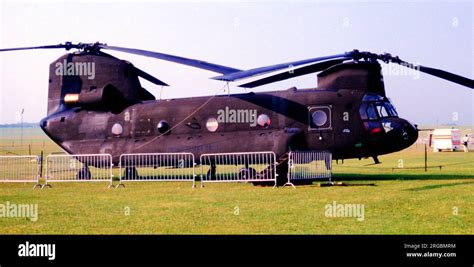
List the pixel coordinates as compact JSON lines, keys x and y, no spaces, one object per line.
{"x":407,"y":201}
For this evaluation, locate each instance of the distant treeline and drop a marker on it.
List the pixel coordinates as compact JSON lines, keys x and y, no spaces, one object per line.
{"x":18,"y":125}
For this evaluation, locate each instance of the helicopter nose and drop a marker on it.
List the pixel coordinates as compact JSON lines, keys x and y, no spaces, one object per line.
{"x":399,"y":134}
{"x":44,"y":124}
{"x":406,"y":132}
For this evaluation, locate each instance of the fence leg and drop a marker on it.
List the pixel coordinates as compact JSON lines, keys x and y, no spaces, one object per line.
{"x":290,"y":164}
{"x":202,"y":178}
{"x":37,"y":185}
{"x":40,"y":171}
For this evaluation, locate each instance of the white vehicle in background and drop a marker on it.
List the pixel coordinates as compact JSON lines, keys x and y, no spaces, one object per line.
{"x":445,"y":139}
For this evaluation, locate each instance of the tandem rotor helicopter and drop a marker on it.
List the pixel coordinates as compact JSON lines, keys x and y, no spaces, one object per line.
{"x":348,"y":114}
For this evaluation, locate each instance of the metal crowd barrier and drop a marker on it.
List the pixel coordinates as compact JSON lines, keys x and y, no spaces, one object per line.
{"x":78,"y":168}
{"x":157,"y":167}
{"x":217,"y":167}
{"x":238,"y":167}
{"x":309,"y":165}
{"x":19,"y":169}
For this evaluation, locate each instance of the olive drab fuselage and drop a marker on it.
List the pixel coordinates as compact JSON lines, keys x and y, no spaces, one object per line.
{"x":348,"y":114}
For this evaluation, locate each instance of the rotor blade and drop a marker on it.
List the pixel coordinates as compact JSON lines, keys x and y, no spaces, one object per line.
{"x":30,"y":48}
{"x":262,"y":70}
{"x":386,"y":57}
{"x":67,"y":46}
{"x":180,"y":60}
{"x":294,"y":73}
{"x":440,"y":74}
{"x":148,"y":77}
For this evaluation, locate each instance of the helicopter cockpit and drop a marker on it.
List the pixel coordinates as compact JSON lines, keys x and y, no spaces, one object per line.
{"x":381,"y":120}
{"x":375,"y":107}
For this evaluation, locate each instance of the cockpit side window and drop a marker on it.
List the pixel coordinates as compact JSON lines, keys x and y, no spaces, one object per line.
{"x":368,"y":112}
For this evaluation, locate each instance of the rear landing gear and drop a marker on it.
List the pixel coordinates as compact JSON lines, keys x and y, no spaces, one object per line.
{"x":211,"y":173}
{"x":247,"y":173}
{"x":282,"y":172}
{"x":130,"y":173}
{"x":84,"y":173}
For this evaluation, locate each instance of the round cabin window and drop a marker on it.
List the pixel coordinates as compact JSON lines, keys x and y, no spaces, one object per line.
{"x":263,"y":120}
{"x":117,"y":129}
{"x":212,"y":124}
{"x":163,"y":126}
{"x":319,"y":118}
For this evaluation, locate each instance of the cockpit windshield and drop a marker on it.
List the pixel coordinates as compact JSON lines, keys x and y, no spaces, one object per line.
{"x":374,"y":107}
{"x":390,"y":108}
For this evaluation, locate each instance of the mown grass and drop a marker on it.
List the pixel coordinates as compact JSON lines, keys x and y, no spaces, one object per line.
{"x":407,"y":201}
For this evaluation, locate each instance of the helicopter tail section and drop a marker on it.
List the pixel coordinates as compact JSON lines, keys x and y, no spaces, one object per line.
{"x":95,"y":82}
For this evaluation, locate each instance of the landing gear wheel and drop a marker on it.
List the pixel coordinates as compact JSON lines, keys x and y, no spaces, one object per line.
{"x":246,"y":174}
{"x":282,"y":171}
{"x":130,"y":173}
{"x":211,"y":173}
{"x":84,"y":173}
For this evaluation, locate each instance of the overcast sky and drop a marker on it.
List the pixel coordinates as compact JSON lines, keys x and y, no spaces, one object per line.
{"x":245,"y":34}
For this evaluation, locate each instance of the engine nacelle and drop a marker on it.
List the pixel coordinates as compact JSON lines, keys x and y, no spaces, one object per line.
{"x":105,"y":98}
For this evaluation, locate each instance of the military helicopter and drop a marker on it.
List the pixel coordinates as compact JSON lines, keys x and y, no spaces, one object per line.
{"x":108,"y":111}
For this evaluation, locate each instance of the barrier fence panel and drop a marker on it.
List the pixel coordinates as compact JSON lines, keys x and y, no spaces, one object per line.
{"x":157,"y":167}
{"x":238,"y":167}
{"x":309,"y":165}
{"x":19,"y":169}
{"x":79,"y":168}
